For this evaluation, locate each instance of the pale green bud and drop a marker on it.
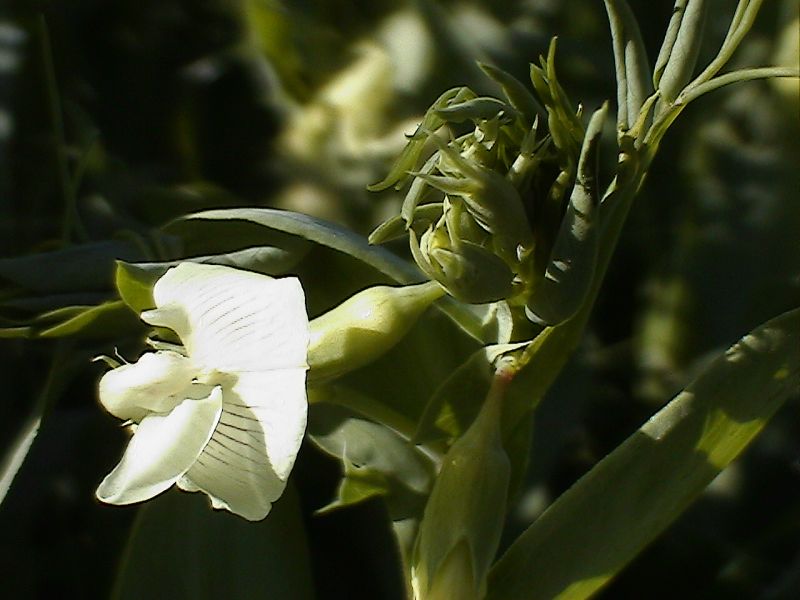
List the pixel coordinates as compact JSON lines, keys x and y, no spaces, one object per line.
{"x":454,"y":579}
{"x":365,"y":326}
{"x":470,"y":272}
{"x":463,"y":520}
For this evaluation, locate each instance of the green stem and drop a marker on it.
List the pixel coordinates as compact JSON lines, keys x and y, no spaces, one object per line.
{"x":695,"y":91}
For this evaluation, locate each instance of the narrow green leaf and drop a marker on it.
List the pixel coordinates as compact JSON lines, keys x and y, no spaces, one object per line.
{"x":518,"y":95}
{"x":456,"y":402}
{"x":107,"y":320}
{"x":44,"y":302}
{"x":408,"y":159}
{"x":66,"y":362}
{"x":396,"y":227}
{"x":181,"y":548}
{"x":15,"y":332}
{"x":568,"y":278}
{"x":674,"y":72}
{"x":586,"y":537}
{"x":482,"y":108}
{"x":77,"y":268}
{"x":135,"y":284}
{"x":309,"y":228}
{"x":634,"y":82}
{"x":669,"y":39}
{"x":297,"y":225}
{"x":378,"y":461}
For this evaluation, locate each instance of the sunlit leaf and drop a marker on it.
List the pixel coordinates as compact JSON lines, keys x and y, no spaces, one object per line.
{"x":586,"y":536}
{"x":634,"y":82}
{"x":303,"y":226}
{"x":107,"y":320}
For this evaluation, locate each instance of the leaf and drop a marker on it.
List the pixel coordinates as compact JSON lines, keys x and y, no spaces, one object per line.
{"x":678,"y":55}
{"x":290,"y":226}
{"x":456,"y":402}
{"x":181,"y":548}
{"x":397,"y":227}
{"x":476,"y":109}
{"x":65,"y":364}
{"x":51,"y":301}
{"x":408,"y":159}
{"x":88,"y":267}
{"x":135,"y":284}
{"x":303,"y":226}
{"x":586,"y":536}
{"x":518,"y":95}
{"x":561,"y":291}
{"x":378,"y":461}
{"x":634,"y":83}
{"x":107,"y":320}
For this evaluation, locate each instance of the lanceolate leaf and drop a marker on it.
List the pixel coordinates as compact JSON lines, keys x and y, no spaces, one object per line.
{"x":568,"y":278}
{"x":312,"y":229}
{"x":634,"y":83}
{"x":296,"y":225}
{"x":678,"y":55}
{"x":180,"y":548}
{"x":586,"y":536}
{"x":79,"y":268}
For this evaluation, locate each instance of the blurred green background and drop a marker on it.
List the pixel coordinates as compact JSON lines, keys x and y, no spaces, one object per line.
{"x":116,"y":116}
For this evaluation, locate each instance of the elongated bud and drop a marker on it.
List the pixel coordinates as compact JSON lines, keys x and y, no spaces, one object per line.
{"x":463,"y":520}
{"x":365,"y":326}
{"x":455,"y":577}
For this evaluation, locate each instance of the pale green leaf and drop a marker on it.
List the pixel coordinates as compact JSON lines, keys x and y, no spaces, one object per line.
{"x":585,"y":537}
{"x":106,"y":320}
{"x":310,"y":228}
{"x":567,"y":280}
{"x":634,"y":82}
{"x":678,"y":56}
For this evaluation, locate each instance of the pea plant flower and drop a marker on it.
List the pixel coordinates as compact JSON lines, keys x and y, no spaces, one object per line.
{"x":226,"y":414}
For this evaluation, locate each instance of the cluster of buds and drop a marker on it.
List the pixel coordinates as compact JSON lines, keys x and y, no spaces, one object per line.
{"x":503,"y":208}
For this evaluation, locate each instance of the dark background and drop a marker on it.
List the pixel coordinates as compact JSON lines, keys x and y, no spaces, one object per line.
{"x":165,"y":107}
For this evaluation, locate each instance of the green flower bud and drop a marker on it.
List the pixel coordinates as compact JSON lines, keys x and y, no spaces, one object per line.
{"x":463,"y":520}
{"x":365,"y":326}
{"x":495,"y":213}
{"x":454,"y":579}
{"x":468,"y":271}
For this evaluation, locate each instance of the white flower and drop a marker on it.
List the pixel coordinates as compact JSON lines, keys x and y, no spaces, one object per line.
{"x":228,"y":417}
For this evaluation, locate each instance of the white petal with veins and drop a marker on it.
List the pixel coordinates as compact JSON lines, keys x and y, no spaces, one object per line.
{"x":163,"y":448}
{"x":237,"y":320}
{"x":245,"y":466}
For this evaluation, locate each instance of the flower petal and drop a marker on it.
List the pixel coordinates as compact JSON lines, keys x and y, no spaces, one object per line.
{"x":245,"y":466}
{"x":234,"y":320}
{"x":154,"y":383}
{"x":162,"y":449}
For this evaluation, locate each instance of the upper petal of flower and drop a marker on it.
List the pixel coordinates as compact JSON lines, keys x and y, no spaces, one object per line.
{"x":245,"y":466}
{"x":154,"y":383}
{"x":162,"y":449}
{"x":234,"y":320}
